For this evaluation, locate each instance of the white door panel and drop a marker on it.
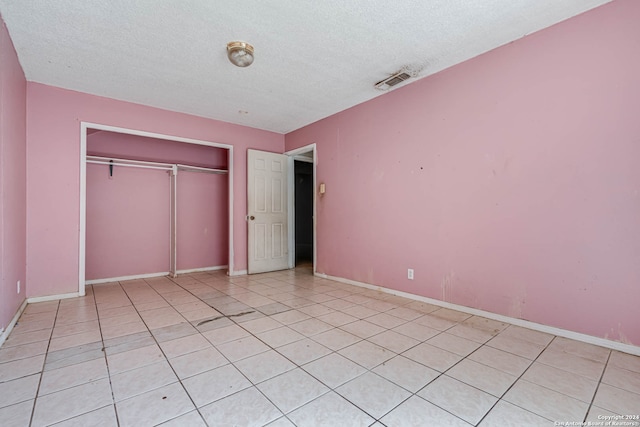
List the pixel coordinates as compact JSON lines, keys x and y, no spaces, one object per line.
{"x":267,"y":211}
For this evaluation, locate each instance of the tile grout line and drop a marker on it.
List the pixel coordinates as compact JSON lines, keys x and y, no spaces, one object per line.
{"x":595,"y":392}
{"x":231,"y":363}
{"x":164,"y":354}
{"x":514,"y":383}
{"x":104,"y":353}
{"x":330,"y":389}
{"x":44,"y":362}
{"x":243,"y":374}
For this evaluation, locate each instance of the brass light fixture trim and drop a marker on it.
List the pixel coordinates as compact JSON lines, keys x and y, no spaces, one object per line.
{"x":240,"y":53}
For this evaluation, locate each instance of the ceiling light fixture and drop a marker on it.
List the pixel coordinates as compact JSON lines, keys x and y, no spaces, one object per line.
{"x":240,"y":53}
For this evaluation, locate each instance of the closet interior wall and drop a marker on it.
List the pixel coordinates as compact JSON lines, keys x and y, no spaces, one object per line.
{"x":129,"y":211}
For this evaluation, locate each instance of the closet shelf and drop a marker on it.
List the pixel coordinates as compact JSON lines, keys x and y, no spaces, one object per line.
{"x":151,"y":165}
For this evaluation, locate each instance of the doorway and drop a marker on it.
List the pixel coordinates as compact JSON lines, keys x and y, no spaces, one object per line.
{"x":303,"y":208}
{"x":303,"y":240}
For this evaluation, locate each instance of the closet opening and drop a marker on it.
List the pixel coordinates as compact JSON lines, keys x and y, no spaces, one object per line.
{"x":152,"y":205}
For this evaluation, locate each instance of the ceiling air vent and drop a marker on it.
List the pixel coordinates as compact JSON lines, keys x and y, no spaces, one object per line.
{"x":392,"y":80}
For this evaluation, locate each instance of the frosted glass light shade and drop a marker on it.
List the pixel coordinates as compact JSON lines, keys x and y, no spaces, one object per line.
{"x":240,"y":53}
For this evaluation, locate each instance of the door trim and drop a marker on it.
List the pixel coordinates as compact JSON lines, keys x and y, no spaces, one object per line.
{"x":83,"y":187}
{"x":291,"y":184}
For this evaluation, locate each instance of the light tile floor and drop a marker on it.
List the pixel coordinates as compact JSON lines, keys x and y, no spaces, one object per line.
{"x":287,"y":348}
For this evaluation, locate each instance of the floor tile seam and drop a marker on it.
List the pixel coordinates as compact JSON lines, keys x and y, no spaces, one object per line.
{"x":120,"y":401}
{"x":488,"y":343}
{"x":481,"y":343}
{"x":444,"y":373}
{"x":33,"y":406}
{"x":74,"y":321}
{"x":402,"y":352}
{"x":85,"y":413}
{"x":72,"y":386}
{"x":521,"y":340}
{"x":595,"y":393}
{"x":366,"y":370}
{"x":251,"y":384}
{"x":167,"y":360}
{"x":106,"y":359}
{"x":19,"y":402}
{"x":48,"y":316}
{"x":547,"y":388}
{"x":449,"y":411}
{"x":377,"y":419}
{"x":362,"y":366}
{"x":139,"y":319}
{"x":93,"y":341}
{"x":72,"y":333}
{"x":598,"y":382}
{"x":575,"y":373}
{"x":255,"y":386}
{"x":329,"y":390}
{"x":263,"y":342}
{"x":145,"y":321}
{"x":37,"y":396}
{"x":26,"y":357}
{"x":341,"y":348}
{"x":613,"y":365}
{"x":586,"y":358}
{"x":519,"y":378}
{"x":449,"y":350}
{"x":99,"y":310}
{"x":18,"y":333}
{"x":287,"y":358}
{"x":498,"y":369}
{"x":619,"y":387}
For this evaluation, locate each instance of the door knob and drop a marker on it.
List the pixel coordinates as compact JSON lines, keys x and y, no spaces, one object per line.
{"x":252,"y":217}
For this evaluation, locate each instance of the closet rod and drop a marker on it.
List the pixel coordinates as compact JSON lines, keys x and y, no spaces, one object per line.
{"x":98,"y":162}
{"x":150,"y":165}
{"x":116,"y":160}
{"x":200,"y":169}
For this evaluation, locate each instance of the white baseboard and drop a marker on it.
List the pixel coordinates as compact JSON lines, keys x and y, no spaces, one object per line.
{"x":123,"y":278}
{"x":237,"y":273}
{"x":6,"y":331}
{"x":52,"y":297}
{"x":198,"y":270}
{"x":602,"y":342}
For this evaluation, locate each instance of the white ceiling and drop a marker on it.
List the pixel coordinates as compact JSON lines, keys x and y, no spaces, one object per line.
{"x":313,"y":58}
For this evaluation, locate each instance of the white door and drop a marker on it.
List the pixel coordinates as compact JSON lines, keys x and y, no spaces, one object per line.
{"x":267,"y":211}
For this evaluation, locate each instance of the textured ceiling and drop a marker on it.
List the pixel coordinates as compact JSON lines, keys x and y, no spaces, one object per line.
{"x":313,"y":58}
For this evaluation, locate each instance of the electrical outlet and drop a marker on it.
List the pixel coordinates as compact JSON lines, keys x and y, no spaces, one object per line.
{"x":410,"y":274}
{"x":18,"y":286}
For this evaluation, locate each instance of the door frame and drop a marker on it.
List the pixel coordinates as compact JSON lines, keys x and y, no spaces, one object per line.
{"x":291,"y":188}
{"x":84,"y":126}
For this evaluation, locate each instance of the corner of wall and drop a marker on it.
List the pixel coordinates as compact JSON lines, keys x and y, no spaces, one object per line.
{"x":13,"y":181}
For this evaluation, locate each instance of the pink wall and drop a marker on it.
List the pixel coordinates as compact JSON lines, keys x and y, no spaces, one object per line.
{"x":202,"y":220}
{"x":13,"y":180}
{"x":127,"y":221}
{"x":112,"y":144}
{"x":53,"y":141}
{"x":510,"y":183}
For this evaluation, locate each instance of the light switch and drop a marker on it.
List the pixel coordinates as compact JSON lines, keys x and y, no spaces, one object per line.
{"x":322,"y":188}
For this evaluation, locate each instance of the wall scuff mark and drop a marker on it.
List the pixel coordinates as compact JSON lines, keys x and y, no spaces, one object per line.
{"x":446,"y":285}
